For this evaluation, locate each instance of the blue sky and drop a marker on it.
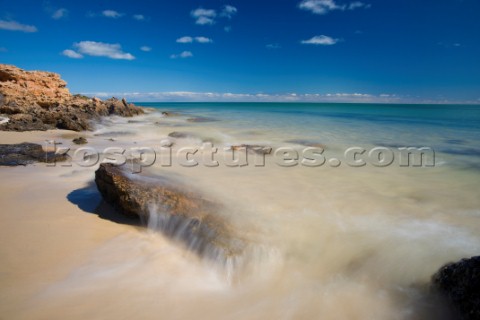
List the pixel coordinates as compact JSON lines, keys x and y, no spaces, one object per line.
{"x":264,"y":50}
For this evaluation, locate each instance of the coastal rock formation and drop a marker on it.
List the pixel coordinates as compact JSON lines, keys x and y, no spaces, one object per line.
{"x":37,"y":100}
{"x":181,"y":214}
{"x":26,"y":153}
{"x":460,"y":283}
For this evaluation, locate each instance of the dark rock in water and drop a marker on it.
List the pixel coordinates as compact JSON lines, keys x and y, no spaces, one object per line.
{"x":179,"y":135}
{"x":80,"y":140}
{"x":170,"y":114}
{"x":114,"y":134}
{"x":26,"y":153}
{"x":201,"y":119}
{"x":460,"y":283}
{"x":253,"y":148}
{"x":181,"y":214}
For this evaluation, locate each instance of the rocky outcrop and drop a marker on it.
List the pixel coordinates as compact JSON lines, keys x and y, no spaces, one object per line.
{"x":37,"y":100}
{"x":181,"y":214}
{"x":460,"y":283}
{"x":26,"y":153}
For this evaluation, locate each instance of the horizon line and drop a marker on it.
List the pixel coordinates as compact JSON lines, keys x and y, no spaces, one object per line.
{"x":215,"y":97}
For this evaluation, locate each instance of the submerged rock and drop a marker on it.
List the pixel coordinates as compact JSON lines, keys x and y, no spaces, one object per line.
{"x":26,"y":153}
{"x":80,"y":140}
{"x":180,"y":135}
{"x":37,"y":100}
{"x":460,"y":283}
{"x":201,"y":119}
{"x":253,"y":148}
{"x":179,"y":213}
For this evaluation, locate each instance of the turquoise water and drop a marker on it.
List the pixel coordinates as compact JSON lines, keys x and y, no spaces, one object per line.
{"x":451,"y":130}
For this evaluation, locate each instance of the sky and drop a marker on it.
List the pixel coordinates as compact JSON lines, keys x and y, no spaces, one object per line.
{"x":240,"y":50}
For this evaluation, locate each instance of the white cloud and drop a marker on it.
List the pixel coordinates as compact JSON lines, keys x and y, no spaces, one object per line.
{"x":99,"y":49}
{"x":203,"y":40}
{"x":146,"y":48}
{"x":228,"y":11}
{"x":320,"y":40}
{"x":15,"y":26}
{"x":320,"y":6}
{"x":273,"y":46}
{"x":72,"y":54}
{"x":188,"y":39}
{"x":204,"y":13}
{"x":325,"y":6}
{"x":204,"y":16}
{"x":112,"y":14}
{"x":204,"y":20}
{"x":186,"y":96}
{"x":60,"y":13}
{"x":357,"y":5}
{"x":183,"y":55}
{"x":186,"y":54}
{"x":185,"y":39}
{"x":139,"y":17}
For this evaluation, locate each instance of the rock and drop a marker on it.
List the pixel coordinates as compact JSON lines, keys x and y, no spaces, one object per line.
{"x":170,"y":114}
{"x":121,"y":108}
{"x":26,"y":153}
{"x":201,"y":119}
{"x":253,"y":148}
{"x":179,"y":135}
{"x":460,"y":283}
{"x":42,"y":101}
{"x":184,"y":215}
{"x":80,"y":140}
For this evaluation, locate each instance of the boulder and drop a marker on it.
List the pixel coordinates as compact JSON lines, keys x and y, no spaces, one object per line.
{"x":80,"y":140}
{"x":26,"y":153}
{"x":460,"y":283}
{"x":181,"y":213}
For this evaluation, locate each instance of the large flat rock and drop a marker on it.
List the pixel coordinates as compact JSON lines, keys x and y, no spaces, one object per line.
{"x":173,"y":208}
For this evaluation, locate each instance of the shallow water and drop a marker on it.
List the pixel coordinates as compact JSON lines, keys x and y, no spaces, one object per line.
{"x":324,"y":242}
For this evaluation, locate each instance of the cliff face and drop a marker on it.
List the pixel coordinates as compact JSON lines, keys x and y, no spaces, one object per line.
{"x":36,"y":100}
